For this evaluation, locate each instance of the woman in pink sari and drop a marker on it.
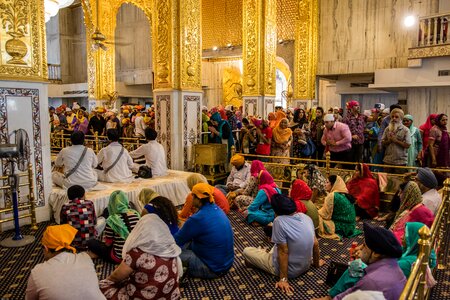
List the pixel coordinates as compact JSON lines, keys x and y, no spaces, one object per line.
{"x":425,"y":132}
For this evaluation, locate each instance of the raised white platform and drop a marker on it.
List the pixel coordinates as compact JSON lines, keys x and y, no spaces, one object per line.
{"x":173,"y":186}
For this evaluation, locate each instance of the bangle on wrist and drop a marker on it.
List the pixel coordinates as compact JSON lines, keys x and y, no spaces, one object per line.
{"x":284,"y":279}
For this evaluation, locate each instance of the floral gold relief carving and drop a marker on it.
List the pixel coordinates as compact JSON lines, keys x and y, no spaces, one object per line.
{"x":190,"y":13}
{"x":432,"y":51}
{"x":23,"y":56}
{"x":269,"y":46}
{"x":251,"y":47}
{"x":162,"y":39}
{"x":306,"y":45}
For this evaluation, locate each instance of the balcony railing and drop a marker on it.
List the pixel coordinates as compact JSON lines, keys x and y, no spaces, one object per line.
{"x":54,"y":73}
{"x":433,"y":30}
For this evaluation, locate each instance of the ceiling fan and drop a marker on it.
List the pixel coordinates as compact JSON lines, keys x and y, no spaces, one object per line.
{"x":98,"y":39}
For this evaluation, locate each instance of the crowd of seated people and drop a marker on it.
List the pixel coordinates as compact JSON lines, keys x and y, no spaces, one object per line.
{"x":155,"y":248}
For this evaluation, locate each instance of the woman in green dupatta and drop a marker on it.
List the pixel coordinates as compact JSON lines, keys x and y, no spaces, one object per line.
{"x":119,"y":224}
{"x":410,"y":252}
{"x":337,"y":217}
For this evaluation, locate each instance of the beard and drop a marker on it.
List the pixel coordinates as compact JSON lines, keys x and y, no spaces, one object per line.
{"x":393,"y":126}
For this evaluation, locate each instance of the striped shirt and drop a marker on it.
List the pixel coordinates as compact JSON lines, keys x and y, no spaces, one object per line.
{"x":117,"y":241}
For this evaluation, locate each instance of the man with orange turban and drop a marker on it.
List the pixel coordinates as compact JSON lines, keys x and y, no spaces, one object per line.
{"x":206,"y":238}
{"x":64,"y":274}
{"x":239,"y":175}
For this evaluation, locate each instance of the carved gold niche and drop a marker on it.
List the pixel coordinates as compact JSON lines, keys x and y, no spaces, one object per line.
{"x":232,"y":86}
{"x":22,"y":40}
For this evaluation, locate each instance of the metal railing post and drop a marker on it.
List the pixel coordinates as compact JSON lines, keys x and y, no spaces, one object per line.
{"x":96,"y":141}
{"x":424,"y":248}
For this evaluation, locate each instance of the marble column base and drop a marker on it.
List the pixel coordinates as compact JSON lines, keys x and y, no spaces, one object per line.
{"x":258,"y":105}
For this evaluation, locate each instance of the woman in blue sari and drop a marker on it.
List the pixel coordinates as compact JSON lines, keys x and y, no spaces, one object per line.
{"x":221,"y":132}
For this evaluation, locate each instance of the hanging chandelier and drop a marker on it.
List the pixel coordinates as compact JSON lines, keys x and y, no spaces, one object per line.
{"x":53,"y":6}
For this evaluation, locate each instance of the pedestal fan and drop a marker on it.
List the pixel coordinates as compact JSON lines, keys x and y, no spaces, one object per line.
{"x":19,"y":154}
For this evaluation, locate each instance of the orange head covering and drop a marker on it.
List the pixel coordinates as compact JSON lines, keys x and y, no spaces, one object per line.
{"x":203,"y":190}
{"x":237,"y":160}
{"x":280,"y":116}
{"x":272,"y":120}
{"x":59,"y":237}
{"x":280,"y":135}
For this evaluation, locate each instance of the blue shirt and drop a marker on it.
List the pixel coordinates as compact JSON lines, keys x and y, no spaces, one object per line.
{"x":297,"y":231}
{"x":211,"y":237}
{"x":151,"y":210}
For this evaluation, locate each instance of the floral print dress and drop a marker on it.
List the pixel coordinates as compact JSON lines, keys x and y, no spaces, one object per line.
{"x":153,"y":278}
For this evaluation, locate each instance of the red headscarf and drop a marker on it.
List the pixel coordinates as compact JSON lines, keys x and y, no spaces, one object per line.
{"x":256,"y":167}
{"x":364,"y":189}
{"x":267,"y":184}
{"x":425,"y":128}
{"x":300,"y":191}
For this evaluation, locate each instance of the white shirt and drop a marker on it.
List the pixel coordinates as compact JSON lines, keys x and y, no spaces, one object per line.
{"x":432,"y":199}
{"x":85,"y":174}
{"x":239,"y":178}
{"x":65,"y":276}
{"x":140,"y":126}
{"x":121,"y":172}
{"x":155,"y":157}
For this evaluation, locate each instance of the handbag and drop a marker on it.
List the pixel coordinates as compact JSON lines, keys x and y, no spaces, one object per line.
{"x":144,"y":172}
{"x":335,"y":271}
{"x":309,"y":149}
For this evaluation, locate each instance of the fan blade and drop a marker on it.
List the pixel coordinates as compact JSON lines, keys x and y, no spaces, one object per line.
{"x":117,"y":43}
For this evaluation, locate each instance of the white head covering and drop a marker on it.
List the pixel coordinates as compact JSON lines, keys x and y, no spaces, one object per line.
{"x":68,"y":109}
{"x":386,"y":110}
{"x":204,"y":108}
{"x":329,"y":117}
{"x":153,"y":236}
{"x":75,"y":105}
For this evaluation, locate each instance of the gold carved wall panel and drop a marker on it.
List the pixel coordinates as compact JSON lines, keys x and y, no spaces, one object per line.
{"x":232,"y":86}
{"x":287,"y":11}
{"x":306,"y":49}
{"x":251,"y":50}
{"x":22,"y":40}
{"x":259,"y":48}
{"x":190,"y":42}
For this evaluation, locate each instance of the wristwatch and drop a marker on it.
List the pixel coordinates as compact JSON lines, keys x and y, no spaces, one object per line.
{"x":284,"y":279}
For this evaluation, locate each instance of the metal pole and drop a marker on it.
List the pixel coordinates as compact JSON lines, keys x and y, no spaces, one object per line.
{"x":13,"y":181}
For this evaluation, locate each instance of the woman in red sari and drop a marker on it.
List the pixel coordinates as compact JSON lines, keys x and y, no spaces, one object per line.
{"x":364,"y":188}
{"x":425,"y":129}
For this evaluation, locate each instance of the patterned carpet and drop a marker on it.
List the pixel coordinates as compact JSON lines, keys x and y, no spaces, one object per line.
{"x":240,"y":283}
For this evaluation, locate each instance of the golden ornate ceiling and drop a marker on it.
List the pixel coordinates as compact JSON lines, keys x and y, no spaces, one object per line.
{"x":221,"y":23}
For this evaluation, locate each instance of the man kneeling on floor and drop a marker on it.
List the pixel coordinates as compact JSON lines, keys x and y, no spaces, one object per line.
{"x":295,"y":244}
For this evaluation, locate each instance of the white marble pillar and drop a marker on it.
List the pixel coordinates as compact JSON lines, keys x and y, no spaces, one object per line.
{"x":25,"y":105}
{"x":258,"y":105}
{"x":178,"y":123}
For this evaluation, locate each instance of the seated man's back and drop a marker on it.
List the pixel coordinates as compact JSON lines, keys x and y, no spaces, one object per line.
{"x":65,"y":276}
{"x":154,"y":153}
{"x":77,"y":169}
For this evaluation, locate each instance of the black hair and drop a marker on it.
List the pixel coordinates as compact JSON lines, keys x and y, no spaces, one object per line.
{"x":150,"y":134}
{"x":438,"y":120}
{"x":319,"y":108}
{"x":113,"y":135}
{"x":245,"y":121}
{"x":332,"y":179}
{"x":394,"y":106}
{"x":77,"y":138}
{"x":75,"y":192}
{"x":165,"y":209}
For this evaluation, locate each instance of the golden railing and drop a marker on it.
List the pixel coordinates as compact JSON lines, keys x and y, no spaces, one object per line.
{"x":434,"y":238}
{"x":28,"y":204}
{"x":59,"y":140}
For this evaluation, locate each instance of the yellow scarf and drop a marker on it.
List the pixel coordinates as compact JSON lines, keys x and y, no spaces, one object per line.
{"x":281,"y":136}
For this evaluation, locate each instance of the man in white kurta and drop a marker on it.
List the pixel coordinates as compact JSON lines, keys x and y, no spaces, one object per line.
{"x":154,"y":153}
{"x":113,"y":171}
{"x":68,"y":158}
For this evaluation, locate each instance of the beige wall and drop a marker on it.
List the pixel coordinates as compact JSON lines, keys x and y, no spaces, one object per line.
{"x":425,"y":101}
{"x":134,"y":46}
{"x":362,"y":36}
{"x":73,"y":46}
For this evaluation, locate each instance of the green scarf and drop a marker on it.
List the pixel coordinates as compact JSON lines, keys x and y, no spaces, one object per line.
{"x":411,"y":250}
{"x":118,"y":204}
